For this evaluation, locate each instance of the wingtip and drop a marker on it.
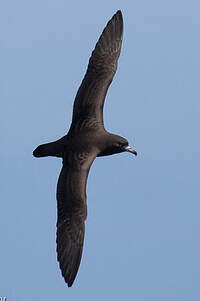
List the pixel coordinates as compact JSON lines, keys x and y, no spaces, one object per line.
{"x":119,"y":12}
{"x":119,"y":15}
{"x":68,"y":255}
{"x":111,"y":37}
{"x":118,"y":18}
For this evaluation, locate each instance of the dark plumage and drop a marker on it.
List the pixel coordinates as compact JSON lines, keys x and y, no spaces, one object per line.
{"x":86,"y":140}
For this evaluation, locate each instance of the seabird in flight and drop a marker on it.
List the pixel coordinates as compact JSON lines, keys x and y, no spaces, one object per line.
{"x":86,"y":140}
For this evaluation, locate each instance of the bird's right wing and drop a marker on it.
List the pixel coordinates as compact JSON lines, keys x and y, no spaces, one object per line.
{"x":72,"y":212}
{"x":102,"y":66}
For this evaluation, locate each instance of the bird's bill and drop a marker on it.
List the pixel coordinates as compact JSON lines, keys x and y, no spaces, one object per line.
{"x":130,"y":150}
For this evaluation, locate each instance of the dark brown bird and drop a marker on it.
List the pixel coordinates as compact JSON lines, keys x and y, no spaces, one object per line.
{"x":86,"y":140}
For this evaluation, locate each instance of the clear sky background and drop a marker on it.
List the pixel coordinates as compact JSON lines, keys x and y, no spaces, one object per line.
{"x":142,"y":232}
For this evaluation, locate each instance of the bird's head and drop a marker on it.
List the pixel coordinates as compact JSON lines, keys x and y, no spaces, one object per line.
{"x":120,"y":145}
{"x":116,"y":144}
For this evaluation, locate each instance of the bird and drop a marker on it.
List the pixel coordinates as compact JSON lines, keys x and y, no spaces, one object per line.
{"x":86,"y":140}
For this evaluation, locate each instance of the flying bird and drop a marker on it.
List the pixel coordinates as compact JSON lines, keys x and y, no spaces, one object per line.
{"x":85,"y":140}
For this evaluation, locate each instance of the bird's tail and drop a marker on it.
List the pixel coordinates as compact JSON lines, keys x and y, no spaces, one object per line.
{"x":54,"y":149}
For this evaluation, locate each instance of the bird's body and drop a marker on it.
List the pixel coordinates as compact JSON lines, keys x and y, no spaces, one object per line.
{"x":86,"y":140}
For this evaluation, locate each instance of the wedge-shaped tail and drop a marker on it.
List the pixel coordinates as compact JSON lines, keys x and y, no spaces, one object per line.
{"x":54,"y":149}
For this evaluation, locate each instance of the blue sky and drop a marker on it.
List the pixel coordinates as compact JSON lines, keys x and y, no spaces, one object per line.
{"x":142,"y":232}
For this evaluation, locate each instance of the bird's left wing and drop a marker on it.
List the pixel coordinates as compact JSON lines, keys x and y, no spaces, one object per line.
{"x":89,"y":101}
{"x":72,"y":212}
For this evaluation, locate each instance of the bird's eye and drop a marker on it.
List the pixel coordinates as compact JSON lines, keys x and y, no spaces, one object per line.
{"x":120,"y":144}
{"x":123,"y":144}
